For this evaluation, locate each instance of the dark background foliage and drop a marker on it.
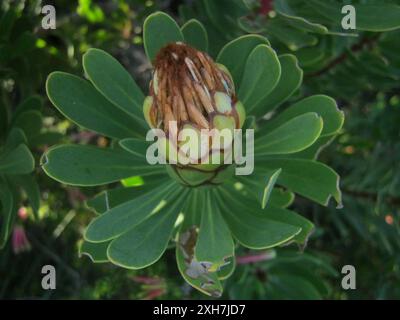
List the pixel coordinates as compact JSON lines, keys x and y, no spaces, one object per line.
{"x":361,"y":72}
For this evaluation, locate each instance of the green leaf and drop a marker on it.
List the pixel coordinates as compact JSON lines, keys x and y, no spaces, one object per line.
{"x":14,"y":139}
{"x":292,"y":218}
{"x":235,"y":54}
{"x":214,"y":243}
{"x":227,"y":270}
{"x":30,"y":122}
{"x":312,"y":152}
{"x":91,"y":166}
{"x":159,"y":29}
{"x":289,"y":82}
{"x":261,"y":185}
{"x":145,"y":243}
{"x":310,"y":179}
{"x":48,"y":138}
{"x":191,"y":211}
{"x":294,"y":135}
{"x":249,"y":225}
{"x":281,"y":198}
{"x":261,"y":75}
{"x":80,"y":102}
{"x":97,"y":252}
{"x":31,"y":188}
{"x":207,"y":283}
{"x":274,"y":214}
{"x":111,"y":198}
{"x":284,"y":9}
{"x":123,"y":217}
{"x":8,"y":210}
{"x":291,"y":37}
{"x":197,"y":273}
{"x":223,"y":15}
{"x":324,"y":106}
{"x":33,"y":103}
{"x":311,"y":57}
{"x":111,"y":79}
{"x":195,"y":35}
{"x":17,"y":161}
{"x":138,"y":147}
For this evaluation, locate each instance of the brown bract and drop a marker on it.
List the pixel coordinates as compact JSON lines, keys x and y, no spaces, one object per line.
{"x":183,"y":88}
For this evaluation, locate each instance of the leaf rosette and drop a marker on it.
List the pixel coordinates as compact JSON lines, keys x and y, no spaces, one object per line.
{"x":203,"y":214}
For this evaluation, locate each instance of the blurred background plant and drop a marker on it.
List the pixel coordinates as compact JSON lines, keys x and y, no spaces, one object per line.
{"x":361,"y":68}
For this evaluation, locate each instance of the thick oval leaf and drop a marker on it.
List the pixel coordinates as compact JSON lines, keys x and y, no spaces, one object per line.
{"x":33,"y":103}
{"x":284,"y":9}
{"x":14,"y":139}
{"x":313,"y":151}
{"x":91,"y":166}
{"x":30,"y":122}
{"x":324,"y":106}
{"x":251,"y":228}
{"x":159,"y":29}
{"x":214,"y":243}
{"x":292,"y":218}
{"x":115,"y":83}
{"x":145,"y":243}
{"x":291,"y":37}
{"x":97,"y":252}
{"x":289,"y":82}
{"x":137,"y":147}
{"x":17,"y":161}
{"x":192,"y":210}
{"x":196,"y":272}
{"x":195,"y":35}
{"x":121,"y":218}
{"x":293,"y":136}
{"x":109,"y":199}
{"x":261,"y":75}
{"x":234,"y":54}
{"x":48,"y":138}
{"x":228,"y":269}
{"x":79,"y":101}
{"x":261,"y":185}
{"x":274,"y":214}
{"x":207,"y":283}
{"x":281,"y":198}
{"x":310,"y":179}
{"x":311,"y":58}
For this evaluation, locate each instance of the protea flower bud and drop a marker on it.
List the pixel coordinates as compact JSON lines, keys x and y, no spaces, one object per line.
{"x":190,"y":92}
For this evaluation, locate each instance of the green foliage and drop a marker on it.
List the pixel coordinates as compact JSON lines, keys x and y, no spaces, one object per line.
{"x":17,"y":162}
{"x":281,"y":55}
{"x":279,"y":275}
{"x":148,"y":221}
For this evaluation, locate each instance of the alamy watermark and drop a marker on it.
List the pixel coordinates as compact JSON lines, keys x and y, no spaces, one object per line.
{"x":49,"y":278}
{"x":349,"y":280}
{"x":349,"y":21}
{"x":49,"y":20}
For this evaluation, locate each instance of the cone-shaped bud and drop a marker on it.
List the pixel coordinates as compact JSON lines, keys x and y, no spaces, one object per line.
{"x":190,"y":93}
